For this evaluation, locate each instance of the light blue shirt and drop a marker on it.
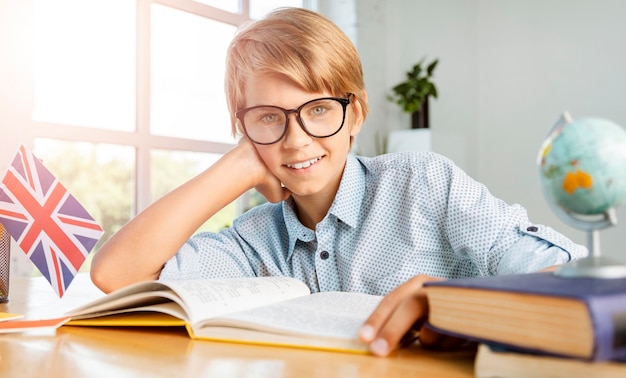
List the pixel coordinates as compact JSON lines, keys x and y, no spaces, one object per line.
{"x":394,"y":216}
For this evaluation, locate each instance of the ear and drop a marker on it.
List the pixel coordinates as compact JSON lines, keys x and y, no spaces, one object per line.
{"x":237,"y":127}
{"x":359,"y":117}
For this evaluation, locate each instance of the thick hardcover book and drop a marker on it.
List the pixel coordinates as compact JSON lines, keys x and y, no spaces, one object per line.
{"x":501,"y":363}
{"x":265,"y":310}
{"x":538,"y":312}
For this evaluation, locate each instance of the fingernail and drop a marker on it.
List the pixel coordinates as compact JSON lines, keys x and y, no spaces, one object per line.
{"x":367,"y":333}
{"x":379,"y":347}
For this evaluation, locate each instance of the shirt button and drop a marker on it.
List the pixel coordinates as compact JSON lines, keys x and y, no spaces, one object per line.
{"x":324,"y":255}
{"x":532,"y":229}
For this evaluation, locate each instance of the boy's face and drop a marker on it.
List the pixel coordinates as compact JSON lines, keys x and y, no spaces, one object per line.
{"x":288,"y":157}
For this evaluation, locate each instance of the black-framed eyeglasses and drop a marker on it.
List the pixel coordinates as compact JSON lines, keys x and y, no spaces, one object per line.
{"x":320,"y":118}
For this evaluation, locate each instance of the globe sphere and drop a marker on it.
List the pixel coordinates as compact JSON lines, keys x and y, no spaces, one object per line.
{"x":582,"y":165}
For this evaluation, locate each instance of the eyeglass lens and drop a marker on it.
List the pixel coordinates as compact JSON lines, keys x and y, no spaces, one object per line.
{"x":319,"y":118}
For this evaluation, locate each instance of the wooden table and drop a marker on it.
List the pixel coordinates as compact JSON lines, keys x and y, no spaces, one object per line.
{"x":169,"y":352}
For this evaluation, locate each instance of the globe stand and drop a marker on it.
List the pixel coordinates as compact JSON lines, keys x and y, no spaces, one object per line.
{"x":596,"y":265}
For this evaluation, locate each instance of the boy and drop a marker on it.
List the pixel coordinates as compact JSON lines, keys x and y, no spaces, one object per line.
{"x":382,"y":225}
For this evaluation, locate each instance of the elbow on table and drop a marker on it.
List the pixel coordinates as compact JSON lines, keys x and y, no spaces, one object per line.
{"x":109,"y":274}
{"x":102,"y":277}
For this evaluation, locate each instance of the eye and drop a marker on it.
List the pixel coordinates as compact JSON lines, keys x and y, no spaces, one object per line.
{"x":265,"y":116}
{"x":318,"y":110}
{"x":321,"y":109}
{"x":269,"y":118}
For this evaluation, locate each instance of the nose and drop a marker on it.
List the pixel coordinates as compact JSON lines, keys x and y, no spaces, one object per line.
{"x":295,"y":136}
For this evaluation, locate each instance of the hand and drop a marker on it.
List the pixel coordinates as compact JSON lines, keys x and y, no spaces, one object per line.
{"x":402,"y":310}
{"x":550,"y":268}
{"x":266,"y":183}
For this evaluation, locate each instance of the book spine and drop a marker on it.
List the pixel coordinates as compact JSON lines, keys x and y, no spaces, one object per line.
{"x":608,"y":314}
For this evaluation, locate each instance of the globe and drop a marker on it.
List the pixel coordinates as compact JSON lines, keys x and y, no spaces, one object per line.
{"x":582,"y":166}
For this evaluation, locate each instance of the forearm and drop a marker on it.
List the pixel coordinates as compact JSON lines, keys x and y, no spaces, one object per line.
{"x":138,"y":251}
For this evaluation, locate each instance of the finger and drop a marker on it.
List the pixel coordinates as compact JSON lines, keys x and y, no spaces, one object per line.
{"x":387,"y":306}
{"x":375,"y":322}
{"x":549,"y":269}
{"x":401,"y":320}
{"x":274,"y":192}
{"x":285,"y":193}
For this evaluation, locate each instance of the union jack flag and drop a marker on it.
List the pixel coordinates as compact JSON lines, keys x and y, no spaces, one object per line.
{"x":46,"y":221}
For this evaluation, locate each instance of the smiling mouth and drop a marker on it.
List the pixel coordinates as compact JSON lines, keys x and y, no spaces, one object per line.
{"x":304,"y":164}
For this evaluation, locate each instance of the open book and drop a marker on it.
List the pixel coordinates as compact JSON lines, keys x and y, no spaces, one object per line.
{"x":259,"y":310}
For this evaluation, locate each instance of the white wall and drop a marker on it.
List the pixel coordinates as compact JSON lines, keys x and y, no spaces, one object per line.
{"x":538,"y":59}
{"x":507,"y":70}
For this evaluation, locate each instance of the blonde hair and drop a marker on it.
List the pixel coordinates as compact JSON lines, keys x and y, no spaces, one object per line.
{"x":300,"y":44}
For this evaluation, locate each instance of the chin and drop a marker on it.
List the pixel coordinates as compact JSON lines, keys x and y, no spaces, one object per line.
{"x":304,"y":192}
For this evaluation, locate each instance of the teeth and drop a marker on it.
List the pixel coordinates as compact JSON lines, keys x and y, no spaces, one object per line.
{"x":304,"y":164}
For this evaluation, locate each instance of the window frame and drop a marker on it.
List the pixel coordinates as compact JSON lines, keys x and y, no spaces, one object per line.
{"x":19,"y":95}
{"x":141,"y":138}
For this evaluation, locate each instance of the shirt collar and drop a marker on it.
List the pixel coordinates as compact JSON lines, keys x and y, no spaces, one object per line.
{"x":345,"y":207}
{"x":347,"y":203}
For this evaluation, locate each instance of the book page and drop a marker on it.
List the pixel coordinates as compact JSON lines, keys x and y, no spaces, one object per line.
{"x":251,"y":336}
{"x":203,"y":299}
{"x":131,"y":302}
{"x":195,"y":299}
{"x":141,"y":293}
{"x":327,"y":314}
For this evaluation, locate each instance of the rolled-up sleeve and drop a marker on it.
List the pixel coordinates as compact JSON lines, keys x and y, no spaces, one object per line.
{"x":496,"y":237}
{"x":538,"y":247}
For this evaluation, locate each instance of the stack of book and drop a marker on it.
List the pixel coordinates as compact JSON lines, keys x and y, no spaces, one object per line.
{"x":536,"y":324}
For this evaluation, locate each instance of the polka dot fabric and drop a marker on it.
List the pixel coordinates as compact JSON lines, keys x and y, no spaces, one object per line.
{"x":395,"y":216}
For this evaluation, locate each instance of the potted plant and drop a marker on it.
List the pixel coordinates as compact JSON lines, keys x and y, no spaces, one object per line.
{"x":412,"y":94}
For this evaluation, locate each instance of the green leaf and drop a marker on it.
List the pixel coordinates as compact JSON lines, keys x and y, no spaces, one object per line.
{"x":431,"y":67}
{"x":411,"y":93}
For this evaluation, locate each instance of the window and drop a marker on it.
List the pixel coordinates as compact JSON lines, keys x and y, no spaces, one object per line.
{"x":127,"y":97}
